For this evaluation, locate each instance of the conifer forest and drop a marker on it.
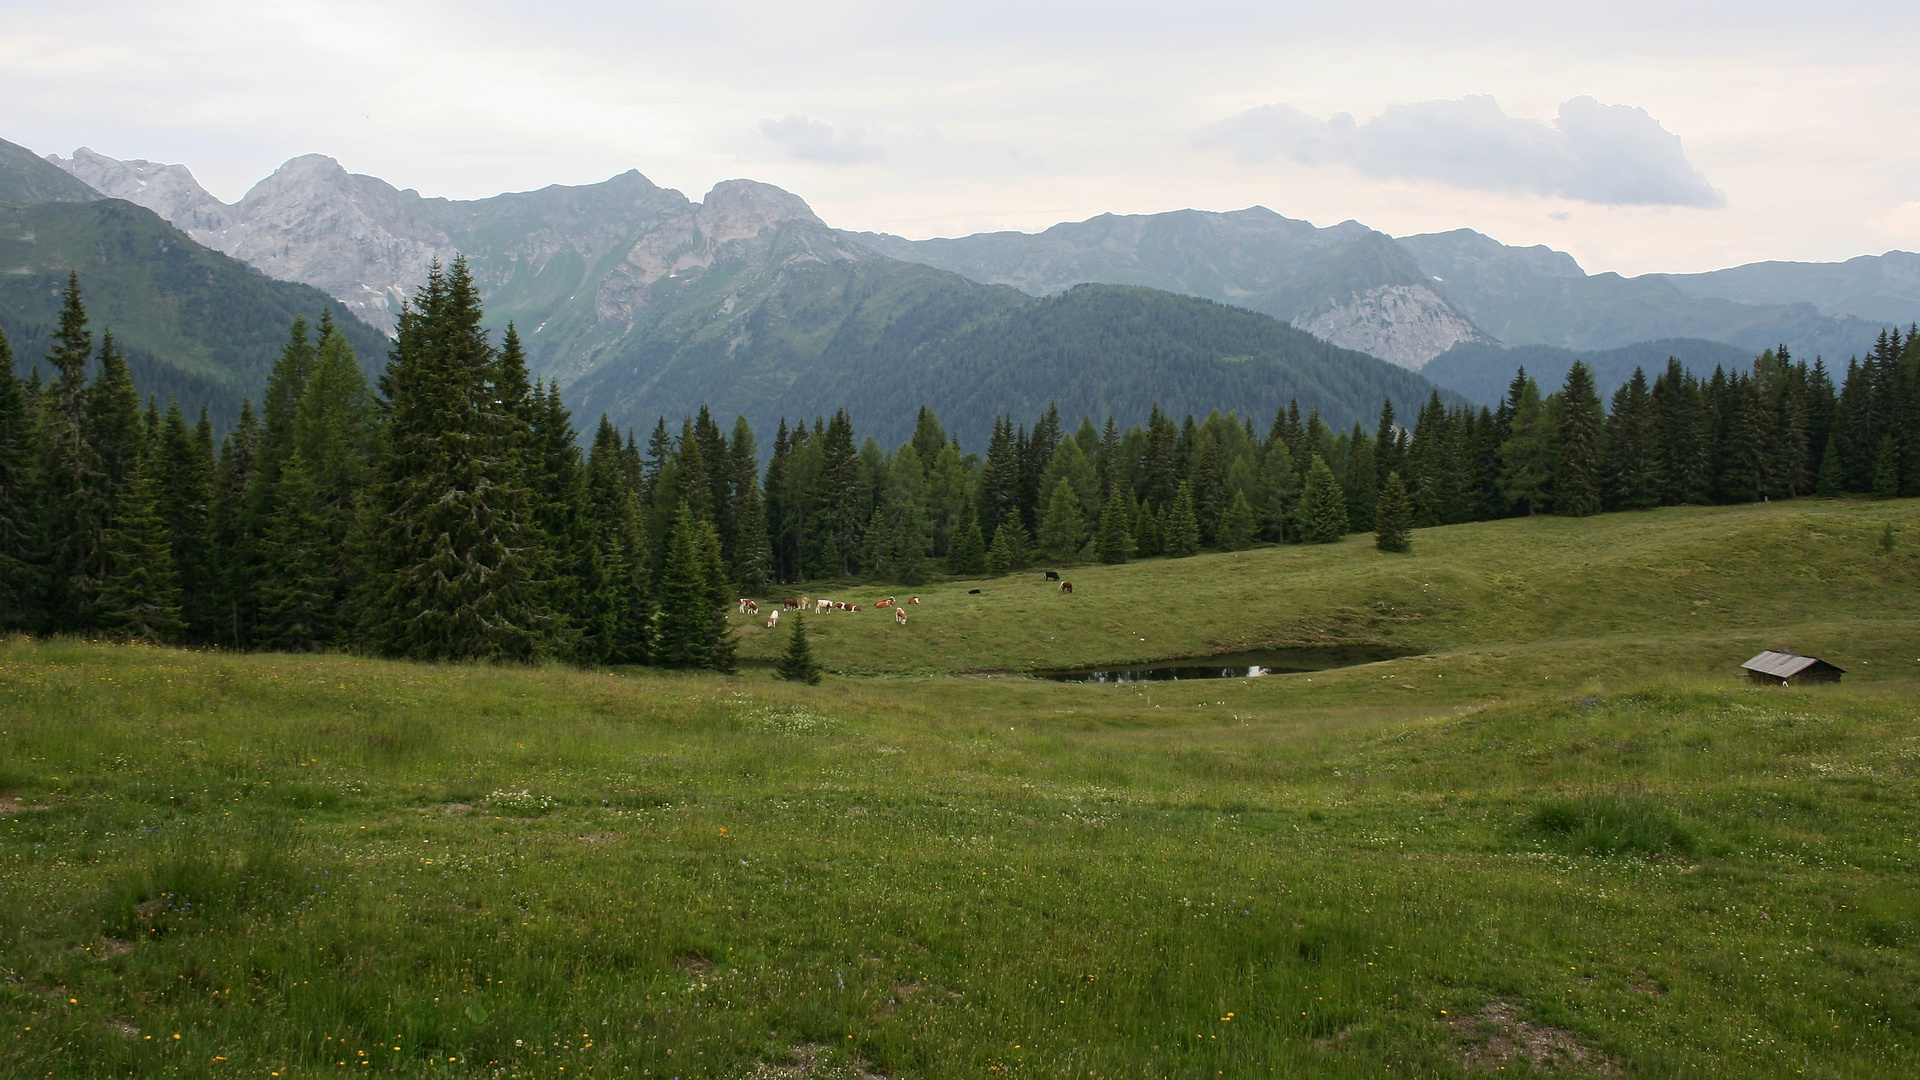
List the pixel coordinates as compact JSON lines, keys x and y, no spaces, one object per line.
{"x":451,"y":512}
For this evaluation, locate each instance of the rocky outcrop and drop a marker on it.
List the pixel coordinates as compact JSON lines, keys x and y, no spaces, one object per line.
{"x":1406,"y":325}
{"x":167,"y":190}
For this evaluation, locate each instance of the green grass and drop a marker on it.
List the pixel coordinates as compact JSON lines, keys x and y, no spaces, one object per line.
{"x":1570,"y":811}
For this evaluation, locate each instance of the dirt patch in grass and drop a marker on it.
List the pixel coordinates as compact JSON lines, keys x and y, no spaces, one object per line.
{"x":600,"y":837}
{"x":1497,"y":1036}
{"x":811,"y":1062}
{"x":10,"y":804}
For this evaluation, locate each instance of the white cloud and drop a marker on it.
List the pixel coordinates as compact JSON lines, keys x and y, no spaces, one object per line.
{"x":1902,"y":221}
{"x":816,"y":140}
{"x":1615,"y":155}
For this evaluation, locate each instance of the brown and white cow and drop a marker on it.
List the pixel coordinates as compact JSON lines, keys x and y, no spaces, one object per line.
{"x":913,"y":599}
{"x":1066,"y":586}
{"x":773,"y":620}
{"x":748,"y":607}
{"x":791,"y":602}
{"x":900,"y":616}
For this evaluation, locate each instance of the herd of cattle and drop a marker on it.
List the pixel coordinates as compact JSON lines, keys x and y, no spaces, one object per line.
{"x":822,"y":607}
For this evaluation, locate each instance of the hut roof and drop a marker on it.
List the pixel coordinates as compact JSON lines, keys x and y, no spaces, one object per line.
{"x":1784,"y":665}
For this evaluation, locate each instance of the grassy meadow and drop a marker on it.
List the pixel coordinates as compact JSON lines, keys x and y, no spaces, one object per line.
{"x":1567,"y":839}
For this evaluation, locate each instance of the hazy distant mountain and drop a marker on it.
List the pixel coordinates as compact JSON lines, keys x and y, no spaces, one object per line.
{"x":1346,"y":283}
{"x":1878,"y":288}
{"x":1481,"y":373}
{"x":1411,"y":299}
{"x":1538,"y":296}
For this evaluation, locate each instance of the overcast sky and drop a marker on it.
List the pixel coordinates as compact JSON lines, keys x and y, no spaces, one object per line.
{"x":1638,"y":136}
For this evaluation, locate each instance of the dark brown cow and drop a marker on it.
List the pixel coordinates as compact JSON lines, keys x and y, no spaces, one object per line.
{"x":1066,"y":586}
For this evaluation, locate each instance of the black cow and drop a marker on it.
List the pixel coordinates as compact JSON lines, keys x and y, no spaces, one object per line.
{"x":1052,"y":575}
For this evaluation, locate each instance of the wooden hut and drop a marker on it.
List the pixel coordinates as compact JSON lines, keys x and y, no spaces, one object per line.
{"x":1790,"y":669}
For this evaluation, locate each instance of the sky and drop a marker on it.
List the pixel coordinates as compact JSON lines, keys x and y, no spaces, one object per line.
{"x":1638,"y":136}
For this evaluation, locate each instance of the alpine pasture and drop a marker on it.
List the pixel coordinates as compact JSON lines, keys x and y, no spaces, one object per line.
{"x":1567,"y":838}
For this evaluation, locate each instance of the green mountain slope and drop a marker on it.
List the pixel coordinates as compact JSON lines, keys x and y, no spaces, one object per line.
{"x":196,"y":324}
{"x":25,"y":178}
{"x":882,"y":338}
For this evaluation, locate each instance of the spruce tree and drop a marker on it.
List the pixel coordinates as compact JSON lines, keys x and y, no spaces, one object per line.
{"x":1147,"y":541}
{"x":1237,"y":524}
{"x":76,"y":498}
{"x":1578,"y":474}
{"x":1828,"y":484}
{"x":1886,"y":469}
{"x":752,"y":555}
{"x":462,"y":566}
{"x":298,"y":604}
{"x":1063,"y":529}
{"x":685,"y":630}
{"x":1114,"y":542}
{"x":1394,"y":529}
{"x":1181,"y":533}
{"x":798,"y":665}
{"x":614,"y":616}
{"x":140,"y":600}
{"x":186,"y":497}
{"x":231,"y":525}
{"x":968,"y":554}
{"x":1527,"y":456}
{"x":1009,"y":550}
{"x":20,"y":578}
{"x":1322,"y":513}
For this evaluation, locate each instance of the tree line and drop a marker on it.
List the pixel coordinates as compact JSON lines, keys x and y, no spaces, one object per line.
{"x":449,"y":511}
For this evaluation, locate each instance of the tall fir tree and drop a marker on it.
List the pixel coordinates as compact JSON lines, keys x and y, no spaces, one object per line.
{"x":1322,"y":515}
{"x":1180,"y":536}
{"x":690,"y":631}
{"x":1114,"y":541}
{"x":1147,"y":540}
{"x":1063,"y":529}
{"x":76,"y":496}
{"x":1578,"y":477}
{"x":21,"y":580}
{"x":751,"y":559}
{"x":185,"y":463}
{"x":462,"y":565}
{"x":232,"y":528}
{"x":1237,"y":524}
{"x":140,"y":600}
{"x":1393,"y":529}
{"x":968,"y":554}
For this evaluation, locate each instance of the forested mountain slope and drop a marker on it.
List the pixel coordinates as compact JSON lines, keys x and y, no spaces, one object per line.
{"x":881,"y":342}
{"x":195,"y":324}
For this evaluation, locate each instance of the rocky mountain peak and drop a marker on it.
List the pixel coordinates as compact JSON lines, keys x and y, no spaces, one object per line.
{"x":167,"y":190}
{"x":742,"y":208}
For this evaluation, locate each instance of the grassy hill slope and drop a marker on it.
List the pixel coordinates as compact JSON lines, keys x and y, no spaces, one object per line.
{"x":1570,"y":841}
{"x":1661,"y":590}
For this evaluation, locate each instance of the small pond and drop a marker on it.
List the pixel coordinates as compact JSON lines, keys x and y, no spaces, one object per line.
{"x":1240,"y":665}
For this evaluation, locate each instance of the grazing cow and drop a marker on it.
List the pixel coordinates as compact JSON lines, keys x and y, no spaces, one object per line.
{"x":973,"y":592}
{"x":773,"y":620}
{"x":1066,"y":586}
{"x":791,"y":602}
{"x":900,"y":616}
{"x":1052,"y":575}
{"x":913,"y":599}
{"x":748,"y":607}
{"x":821,"y":607}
